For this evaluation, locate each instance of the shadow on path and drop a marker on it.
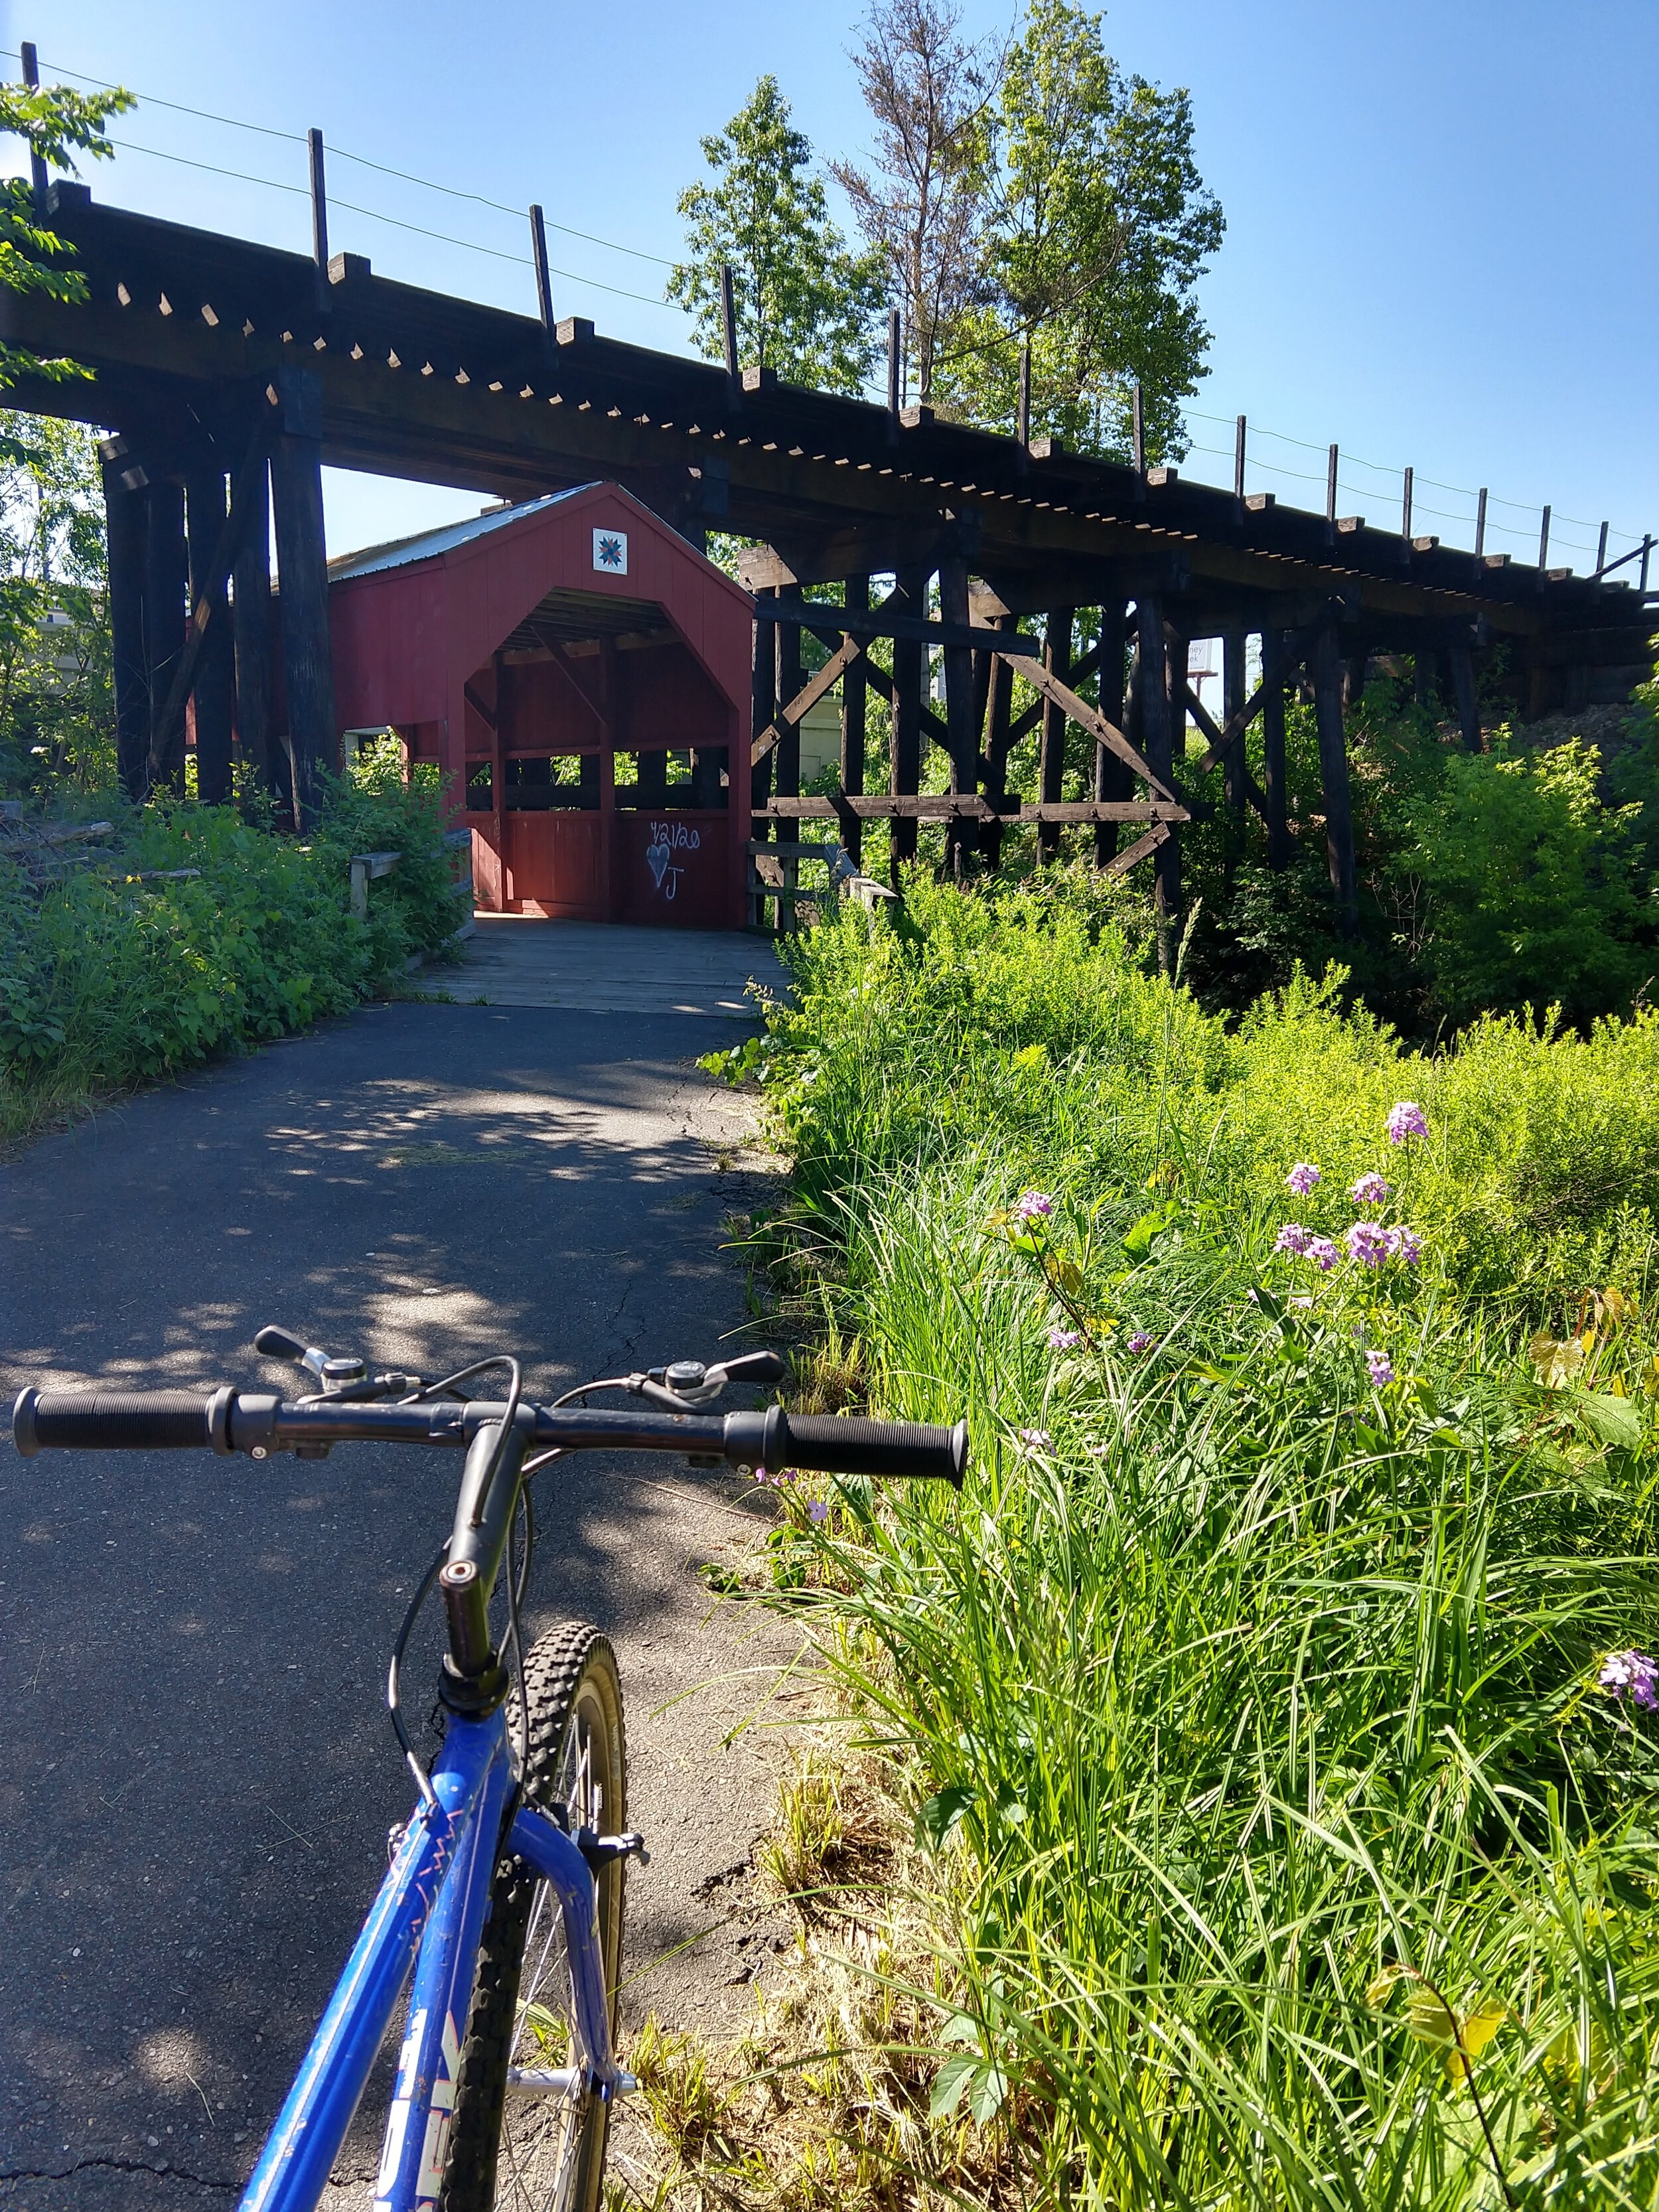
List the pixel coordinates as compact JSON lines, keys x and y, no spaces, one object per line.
{"x":199,"y":1773}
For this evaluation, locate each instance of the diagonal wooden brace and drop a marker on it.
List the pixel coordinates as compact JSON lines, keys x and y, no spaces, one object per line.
{"x":1023,"y":723}
{"x":1087,"y":717}
{"x":1138,"y":851}
{"x":795,"y":712}
{"x":1236,"y":725}
{"x":843,"y":652}
{"x":1220,"y":743}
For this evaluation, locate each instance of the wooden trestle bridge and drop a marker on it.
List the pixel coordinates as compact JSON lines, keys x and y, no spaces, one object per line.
{"x":217,"y":362}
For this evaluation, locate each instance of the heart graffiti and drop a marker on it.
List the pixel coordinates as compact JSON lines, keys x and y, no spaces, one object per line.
{"x":667,"y":878}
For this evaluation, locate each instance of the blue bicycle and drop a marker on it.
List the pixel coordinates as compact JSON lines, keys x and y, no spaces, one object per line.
{"x":502,"y":1907}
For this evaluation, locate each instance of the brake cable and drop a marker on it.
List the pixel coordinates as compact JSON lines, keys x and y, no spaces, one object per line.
{"x":517,"y":1575}
{"x":393,"y":1691}
{"x":516,"y":1584}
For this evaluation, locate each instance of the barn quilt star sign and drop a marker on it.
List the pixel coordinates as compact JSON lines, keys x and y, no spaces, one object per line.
{"x":611,"y":551}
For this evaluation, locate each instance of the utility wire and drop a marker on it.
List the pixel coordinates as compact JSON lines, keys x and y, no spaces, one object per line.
{"x":1438,"y":514}
{"x":1383,"y":468}
{"x":642,"y":299}
{"x":397,"y":222}
{"x":340,"y":153}
{"x":499,"y":206}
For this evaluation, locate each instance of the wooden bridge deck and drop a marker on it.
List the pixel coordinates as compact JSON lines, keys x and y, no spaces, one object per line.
{"x":603,"y":968}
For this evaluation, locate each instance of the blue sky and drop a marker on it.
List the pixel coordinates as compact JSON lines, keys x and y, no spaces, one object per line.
{"x":1442,"y":240}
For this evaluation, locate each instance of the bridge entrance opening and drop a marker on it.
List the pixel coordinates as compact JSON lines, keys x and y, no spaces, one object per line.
{"x":594,"y":669}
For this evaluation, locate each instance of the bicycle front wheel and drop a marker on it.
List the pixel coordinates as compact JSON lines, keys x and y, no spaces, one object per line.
{"x":514,"y":2148}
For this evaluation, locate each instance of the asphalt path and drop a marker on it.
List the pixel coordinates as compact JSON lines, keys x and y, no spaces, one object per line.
{"x":199,"y":1775}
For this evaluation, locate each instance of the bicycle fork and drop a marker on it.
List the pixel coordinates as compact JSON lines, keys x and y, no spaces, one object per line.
{"x":429,"y":2066}
{"x":434,"y":1897}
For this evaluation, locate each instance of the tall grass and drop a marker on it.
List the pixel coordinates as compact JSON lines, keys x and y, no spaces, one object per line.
{"x":1031,"y":1016}
{"x":1292,"y":1853}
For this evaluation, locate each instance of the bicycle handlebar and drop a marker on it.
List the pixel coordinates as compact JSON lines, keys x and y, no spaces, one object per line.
{"x":258,"y":1423}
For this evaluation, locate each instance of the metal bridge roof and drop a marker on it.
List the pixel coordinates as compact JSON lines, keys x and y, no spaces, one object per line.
{"x":399,"y":552}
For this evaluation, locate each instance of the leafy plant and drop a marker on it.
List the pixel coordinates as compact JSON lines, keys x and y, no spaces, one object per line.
{"x":1535,"y":899}
{"x":56,"y":123}
{"x":204,"y":934}
{"x":1097,"y":227}
{"x":1275,"y":1703}
{"x":57,"y":703}
{"x":805,"y":306}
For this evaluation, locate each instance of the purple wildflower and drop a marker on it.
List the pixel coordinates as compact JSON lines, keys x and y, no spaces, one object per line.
{"x":1302,"y":1178}
{"x":1035,"y":1440}
{"x":1367,"y":1243}
{"x":1633,"y":1674}
{"x":1140,"y":1341}
{"x":1293,"y":1237}
{"x":1033,"y":1205}
{"x":784,"y":1474}
{"x":1406,"y":1120}
{"x":1062,"y":1339}
{"x":1379,"y":1367}
{"x":1369,"y":1189}
{"x":1322,"y":1253}
{"x":1403,"y":1244}
{"x":818,"y":1510}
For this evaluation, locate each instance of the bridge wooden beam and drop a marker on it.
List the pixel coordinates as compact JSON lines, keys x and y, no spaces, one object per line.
{"x":250,"y":620}
{"x":166,"y":600}
{"x":125,"y":531}
{"x":1325,"y":663}
{"x":211,"y":681}
{"x":854,"y":689}
{"x":791,"y":454}
{"x":1275,"y":666}
{"x":1113,"y":775}
{"x":206,"y":667}
{"x":296,"y":498}
{"x":969,"y":806}
{"x":1065,"y":702}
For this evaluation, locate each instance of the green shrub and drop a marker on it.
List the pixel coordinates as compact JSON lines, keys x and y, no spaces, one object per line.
{"x":1023,"y":1015}
{"x":1535,"y":898}
{"x":107,"y":980}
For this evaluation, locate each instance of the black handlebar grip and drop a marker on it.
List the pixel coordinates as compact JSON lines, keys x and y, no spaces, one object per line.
{"x":851,"y":1444}
{"x":116,"y":1420}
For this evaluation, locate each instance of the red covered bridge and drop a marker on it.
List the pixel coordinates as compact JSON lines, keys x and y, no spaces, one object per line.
{"x":582,"y":674}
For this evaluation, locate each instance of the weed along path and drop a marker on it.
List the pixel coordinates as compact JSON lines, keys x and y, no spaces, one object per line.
{"x":199,"y":1775}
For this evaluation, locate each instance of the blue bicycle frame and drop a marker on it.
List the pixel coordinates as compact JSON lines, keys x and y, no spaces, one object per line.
{"x":431,"y":1909}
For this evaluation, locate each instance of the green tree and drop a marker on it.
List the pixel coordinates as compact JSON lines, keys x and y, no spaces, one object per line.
{"x":1535,"y":897}
{"x":57,"y":123}
{"x":1099,"y":229}
{"x":806,"y":305}
{"x":57,"y":710}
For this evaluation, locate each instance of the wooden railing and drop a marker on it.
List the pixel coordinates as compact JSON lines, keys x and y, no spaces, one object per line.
{"x":369,"y":867}
{"x":772,"y":882}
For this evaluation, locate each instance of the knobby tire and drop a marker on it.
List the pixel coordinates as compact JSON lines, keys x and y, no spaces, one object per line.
{"x":510,"y":2152}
